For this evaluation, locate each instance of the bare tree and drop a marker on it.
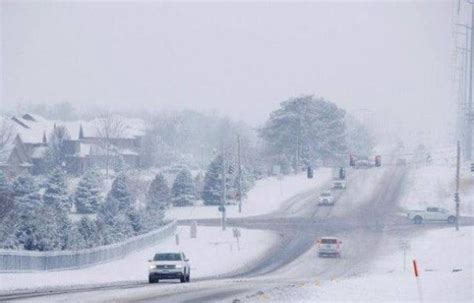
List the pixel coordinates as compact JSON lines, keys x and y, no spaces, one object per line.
{"x":7,"y":132}
{"x":56,"y":146}
{"x":109,"y":127}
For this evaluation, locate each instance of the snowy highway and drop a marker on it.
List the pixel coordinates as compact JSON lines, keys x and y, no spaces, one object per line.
{"x":363,"y":216}
{"x":358,"y":217}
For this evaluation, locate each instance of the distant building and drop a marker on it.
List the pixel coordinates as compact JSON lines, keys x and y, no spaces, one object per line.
{"x":85,"y":149}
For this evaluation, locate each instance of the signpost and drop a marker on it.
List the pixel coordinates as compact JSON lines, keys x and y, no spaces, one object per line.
{"x":404,"y":245}
{"x":236,"y":233}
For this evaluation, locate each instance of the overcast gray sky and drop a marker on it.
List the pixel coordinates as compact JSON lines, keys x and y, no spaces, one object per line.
{"x":241,"y":59}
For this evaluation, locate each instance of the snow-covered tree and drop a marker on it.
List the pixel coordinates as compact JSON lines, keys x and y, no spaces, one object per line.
{"x":28,"y":204}
{"x":56,"y":153}
{"x":113,"y":223}
{"x":183,"y":192}
{"x":306,"y":129}
{"x":158,"y":195}
{"x":246,"y":183}
{"x":360,"y":140}
{"x":87,"y":197}
{"x":89,"y":232}
{"x":120,"y":193}
{"x":6,"y":198}
{"x":212,"y":191}
{"x":56,"y":194}
{"x":4,"y":185}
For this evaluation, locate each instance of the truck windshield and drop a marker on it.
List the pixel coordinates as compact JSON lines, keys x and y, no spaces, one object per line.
{"x":167,"y":257}
{"x":325,"y":194}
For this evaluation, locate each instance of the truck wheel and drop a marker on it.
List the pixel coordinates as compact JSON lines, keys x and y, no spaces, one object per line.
{"x":451,"y":219}
{"x":182,"y":279}
{"x":188,"y":278}
{"x":418,"y":220}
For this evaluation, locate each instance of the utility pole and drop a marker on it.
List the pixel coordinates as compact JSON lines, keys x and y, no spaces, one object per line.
{"x":239,"y":174}
{"x":456,"y":195}
{"x":469,"y":108}
{"x":224,"y":193}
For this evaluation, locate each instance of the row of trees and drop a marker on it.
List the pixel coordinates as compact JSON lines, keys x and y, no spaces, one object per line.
{"x":33,"y":221}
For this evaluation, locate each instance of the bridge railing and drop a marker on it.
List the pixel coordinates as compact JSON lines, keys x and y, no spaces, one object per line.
{"x":24,"y":261}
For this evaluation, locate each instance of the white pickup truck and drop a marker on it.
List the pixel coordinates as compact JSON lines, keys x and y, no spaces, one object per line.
{"x":431,"y":214}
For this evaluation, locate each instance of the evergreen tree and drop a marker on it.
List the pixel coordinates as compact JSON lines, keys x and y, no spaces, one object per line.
{"x":247,"y":181}
{"x":57,"y":225}
{"x":120,"y":193}
{"x":87,"y":196}
{"x":56,"y":194}
{"x":158,"y":196}
{"x":183,"y":192}
{"x":113,"y":223}
{"x":4,"y":185}
{"x":212,"y":191}
{"x":27,"y":212}
{"x":89,"y":232}
{"x":6,"y":198}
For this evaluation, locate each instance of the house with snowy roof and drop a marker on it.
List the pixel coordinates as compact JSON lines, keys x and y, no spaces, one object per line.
{"x":84,"y":149}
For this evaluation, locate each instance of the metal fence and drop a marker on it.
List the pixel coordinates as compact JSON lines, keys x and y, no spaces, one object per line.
{"x":24,"y":261}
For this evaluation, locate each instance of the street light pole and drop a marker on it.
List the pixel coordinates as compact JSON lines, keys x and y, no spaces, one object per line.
{"x":469,"y":109}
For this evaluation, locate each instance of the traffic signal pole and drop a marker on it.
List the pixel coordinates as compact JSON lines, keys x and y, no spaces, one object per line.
{"x":456,"y":195}
{"x":224,"y":193}
{"x":240,"y":174}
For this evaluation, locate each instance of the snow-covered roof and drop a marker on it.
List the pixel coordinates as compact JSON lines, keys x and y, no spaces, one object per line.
{"x":32,"y":128}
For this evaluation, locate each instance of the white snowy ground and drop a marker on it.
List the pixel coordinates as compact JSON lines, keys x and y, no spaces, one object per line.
{"x":445,"y":260}
{"x":214,"y":252}
{"x":433,"y":185}
{"x":266,"y":196}
{"x":440,"y":253}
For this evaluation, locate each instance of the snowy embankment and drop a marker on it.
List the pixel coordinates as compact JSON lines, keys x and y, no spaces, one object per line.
{"x":434,"y":185}
{"x":446,"y":275}
{"x":213,"y":252}
{"x":266,"y":196}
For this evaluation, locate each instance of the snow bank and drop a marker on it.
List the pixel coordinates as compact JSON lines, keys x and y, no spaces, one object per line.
{"x":434,"y":186}
{"x":446,"y":275}
{"x":213,"y":252}
{"x":266,"y":196}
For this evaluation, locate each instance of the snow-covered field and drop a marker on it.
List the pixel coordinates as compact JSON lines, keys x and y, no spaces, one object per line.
{"x":266,"y":196}
{"x":445,"y":260}
{"x":213,"y":252}
{"x":433,"y":185}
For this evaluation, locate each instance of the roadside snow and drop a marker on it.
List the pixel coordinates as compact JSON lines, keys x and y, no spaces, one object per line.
{"x":266,"y":196}
{"x":213,"y":252}
{"x":445,"y":260}
{"x":433,"y":185}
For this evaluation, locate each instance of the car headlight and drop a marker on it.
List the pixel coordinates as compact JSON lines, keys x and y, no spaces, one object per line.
{"x":152,"y":266}
{"x":179,"y":266}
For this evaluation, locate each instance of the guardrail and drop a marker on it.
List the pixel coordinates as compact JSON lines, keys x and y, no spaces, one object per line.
{"x":24,"y":261}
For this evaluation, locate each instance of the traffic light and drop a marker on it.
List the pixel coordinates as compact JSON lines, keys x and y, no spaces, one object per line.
{"x":378,"y":160}
{"x":231,"y":169}
{"x":309,"y":172}
{"x":342,"y":173}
